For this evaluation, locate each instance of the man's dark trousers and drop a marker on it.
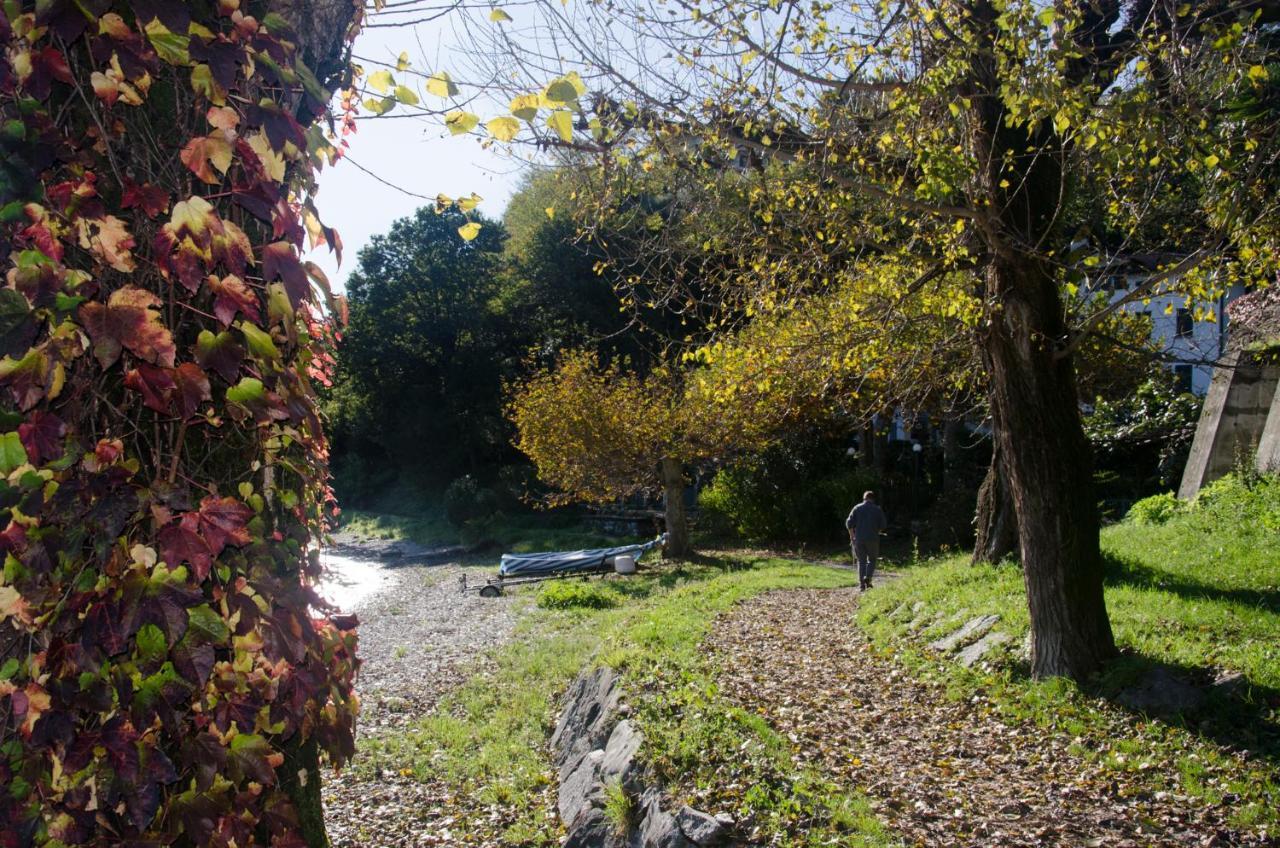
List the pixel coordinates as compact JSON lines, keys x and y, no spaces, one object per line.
{"x":866,"y":553}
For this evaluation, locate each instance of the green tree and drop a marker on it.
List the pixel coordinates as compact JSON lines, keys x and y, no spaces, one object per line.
{"x":950,"y":136}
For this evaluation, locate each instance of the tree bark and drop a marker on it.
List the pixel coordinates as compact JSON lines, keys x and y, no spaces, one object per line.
{"x":1034,"y":405}
{"x":1046,"y":456}
{"x":673,"y":503}
{"x":996,"y":523}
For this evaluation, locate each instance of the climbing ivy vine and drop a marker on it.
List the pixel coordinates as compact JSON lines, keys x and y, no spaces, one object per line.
{"x":163,"y":489}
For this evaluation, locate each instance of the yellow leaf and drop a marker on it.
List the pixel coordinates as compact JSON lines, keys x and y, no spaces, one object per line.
{"x":460,"y":122}
{"x":525,"y":107}
{"x":561,"y":122}
{"x":504,"y":128}
{"x":381,"y":81}
{"x":466,"y":204}
{"x":406,"y":95}
{"x":441,"y":86}
{"x":551,"y":212}
{"x":272,"y":162}
{"x":469,"y":231}
{"x":1211,"y":161}
{"x":402,"y":63}
{"x":498,"y":16}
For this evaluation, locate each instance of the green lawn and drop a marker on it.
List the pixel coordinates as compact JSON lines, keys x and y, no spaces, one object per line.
{"x":514,"y":534}
{"x":1199,"y":593}
{"x":489,"y":738}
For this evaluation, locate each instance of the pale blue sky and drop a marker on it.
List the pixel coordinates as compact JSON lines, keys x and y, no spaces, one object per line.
{"x":417,"y":155}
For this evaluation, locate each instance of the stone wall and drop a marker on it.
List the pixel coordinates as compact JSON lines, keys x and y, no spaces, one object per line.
{"x":594,"y":746}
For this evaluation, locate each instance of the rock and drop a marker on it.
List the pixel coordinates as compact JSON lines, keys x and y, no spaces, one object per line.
{"x":591,"y":829}
{"x":619,"y":761}
{"x":1229,"y":683}
{"x":1160,"y":692}
{"x":585,"y":722}
{"x":658,"y":829}
{"x":580,"y":788}
{"x":971,"y":630}
{"x":699,"y":828}
{"x":978,"y":649}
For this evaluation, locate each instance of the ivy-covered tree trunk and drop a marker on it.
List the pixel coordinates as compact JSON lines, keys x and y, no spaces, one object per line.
{"x":677,"y":520}
{"x":167,"y":670}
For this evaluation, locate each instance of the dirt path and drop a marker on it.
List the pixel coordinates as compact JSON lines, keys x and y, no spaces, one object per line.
{"x":419,"y":639}
{"x":938,"y":772}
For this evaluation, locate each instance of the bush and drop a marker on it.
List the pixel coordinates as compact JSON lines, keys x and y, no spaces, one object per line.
{"x":466,"y":501}
{"x":778,"y":497}
{"x":1156,"y":509}
{"x":576,"y":594}
{"x":1242,"y":500}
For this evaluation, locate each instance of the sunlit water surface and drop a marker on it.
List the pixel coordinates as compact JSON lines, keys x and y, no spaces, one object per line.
{"x":349,"y":581}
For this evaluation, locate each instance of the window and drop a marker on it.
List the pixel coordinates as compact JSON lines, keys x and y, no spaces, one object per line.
{"x":1185,"y":324}
{"x":1183,"y":375}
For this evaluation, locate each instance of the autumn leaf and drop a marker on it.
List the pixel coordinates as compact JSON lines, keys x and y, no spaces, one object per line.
{"x":192,"y":388}
{"x":199,"y":153}
{"x":180,"y":542}
{"x":128,"y":320}
{"x":220,"y":353}
{"x":154,"y":384}
{"x":561,"y":122}
{"x":224,"y":521}
{"x":503,"y":128}
{"x":498,"y":16}
{"x":280,"y":261}
{"x":440,"y":85}
{"x":108,"y":238}
{"x":42,"y":435}
{"x":460,"y":122}
{"x":469,"y":231}
{"x":231,"y":295}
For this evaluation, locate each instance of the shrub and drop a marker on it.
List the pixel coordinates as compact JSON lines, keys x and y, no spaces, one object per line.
{"x":1244,"y":500}
{"x":1156,"y":509}
{"x":776,"y":497}
{"x":576,"y":594}
{"x":466,"y":501}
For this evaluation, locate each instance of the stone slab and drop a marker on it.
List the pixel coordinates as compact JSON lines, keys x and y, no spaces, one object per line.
{"x":972,"y":629}
{"x":975,"y":652}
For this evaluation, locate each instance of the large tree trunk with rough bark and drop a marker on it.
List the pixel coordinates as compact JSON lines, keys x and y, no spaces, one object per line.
{"x":1038,"y":430}
{"x":673,"y":503}
{"x":996,"y":524}
{"x":1044,"y":452}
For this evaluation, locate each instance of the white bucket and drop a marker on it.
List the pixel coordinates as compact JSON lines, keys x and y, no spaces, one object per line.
{"x":624,"y":564}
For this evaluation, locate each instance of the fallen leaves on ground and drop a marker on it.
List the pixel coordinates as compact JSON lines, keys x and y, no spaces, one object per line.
{"x":938,"y":771}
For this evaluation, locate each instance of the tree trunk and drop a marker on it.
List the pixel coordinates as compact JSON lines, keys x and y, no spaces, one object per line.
{"x":673,"y":503}
{"x":996,"y":522}
{"x":1034,"y":405}
{"x":1043,"y":449}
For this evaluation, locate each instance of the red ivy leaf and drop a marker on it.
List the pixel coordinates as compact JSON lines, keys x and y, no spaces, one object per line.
{"x":41,"y":435}
{"x":232,"y":294}
{"x":280,"y":260}
{"x":152,"y":200}
{"x":155,"y":384}
{"x":224,"y":521}
{"x":222,"y":353}
{"x":44,"y":67}
{"x":128,"y":320}
{"x":179,"y":543}
{"x":193,"y":388}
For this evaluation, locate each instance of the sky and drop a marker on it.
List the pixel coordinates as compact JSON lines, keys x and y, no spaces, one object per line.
{"x":415,"y":155}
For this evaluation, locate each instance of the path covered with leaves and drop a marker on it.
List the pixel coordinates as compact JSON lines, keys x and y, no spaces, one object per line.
{"x":420,"y":638}
{"x":938,"y":771}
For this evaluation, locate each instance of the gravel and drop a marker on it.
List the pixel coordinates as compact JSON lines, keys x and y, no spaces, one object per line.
{"x":420,"y":638}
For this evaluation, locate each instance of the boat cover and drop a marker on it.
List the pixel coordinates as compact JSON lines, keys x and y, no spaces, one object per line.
{"x":561,"y":562}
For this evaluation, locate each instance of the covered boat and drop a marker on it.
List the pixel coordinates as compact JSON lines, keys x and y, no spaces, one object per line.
{"x":554,"y":563}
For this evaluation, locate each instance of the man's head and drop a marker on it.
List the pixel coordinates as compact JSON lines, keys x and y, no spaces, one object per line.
{"x":869,"y":496}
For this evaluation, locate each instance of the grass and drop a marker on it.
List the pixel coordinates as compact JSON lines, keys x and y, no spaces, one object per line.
{"x":514,"y":534}
{"x":1198,"y":593}
{"x":488,"y":739}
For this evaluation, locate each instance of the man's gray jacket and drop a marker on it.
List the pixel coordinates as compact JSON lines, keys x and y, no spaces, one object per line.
{"x":866,"y":520}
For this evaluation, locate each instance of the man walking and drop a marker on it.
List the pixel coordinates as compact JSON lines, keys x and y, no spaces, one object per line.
{"x":865,"y":522}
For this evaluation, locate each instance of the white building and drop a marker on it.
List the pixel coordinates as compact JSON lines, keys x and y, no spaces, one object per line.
{"x":1192,"y":336}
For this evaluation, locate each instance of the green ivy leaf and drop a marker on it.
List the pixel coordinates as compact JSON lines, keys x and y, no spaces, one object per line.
{"x":12,"y":453}
{"x":248,"y":391}
{"x":170,"y":46}
{"x":260,"y":342}
{"x":151,"y":642}
{"x":9,"y":669}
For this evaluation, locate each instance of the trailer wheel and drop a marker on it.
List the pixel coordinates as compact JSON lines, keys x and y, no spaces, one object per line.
{"x":490,"y":591}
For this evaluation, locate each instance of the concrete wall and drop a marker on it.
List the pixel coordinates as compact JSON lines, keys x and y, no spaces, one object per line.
{"x":1268,"y":460}
{"x":1241,"y":397}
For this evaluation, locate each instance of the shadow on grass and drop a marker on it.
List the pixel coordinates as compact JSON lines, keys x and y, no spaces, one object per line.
{"x":1121,"y":571}
{"x":1233,"y":712}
